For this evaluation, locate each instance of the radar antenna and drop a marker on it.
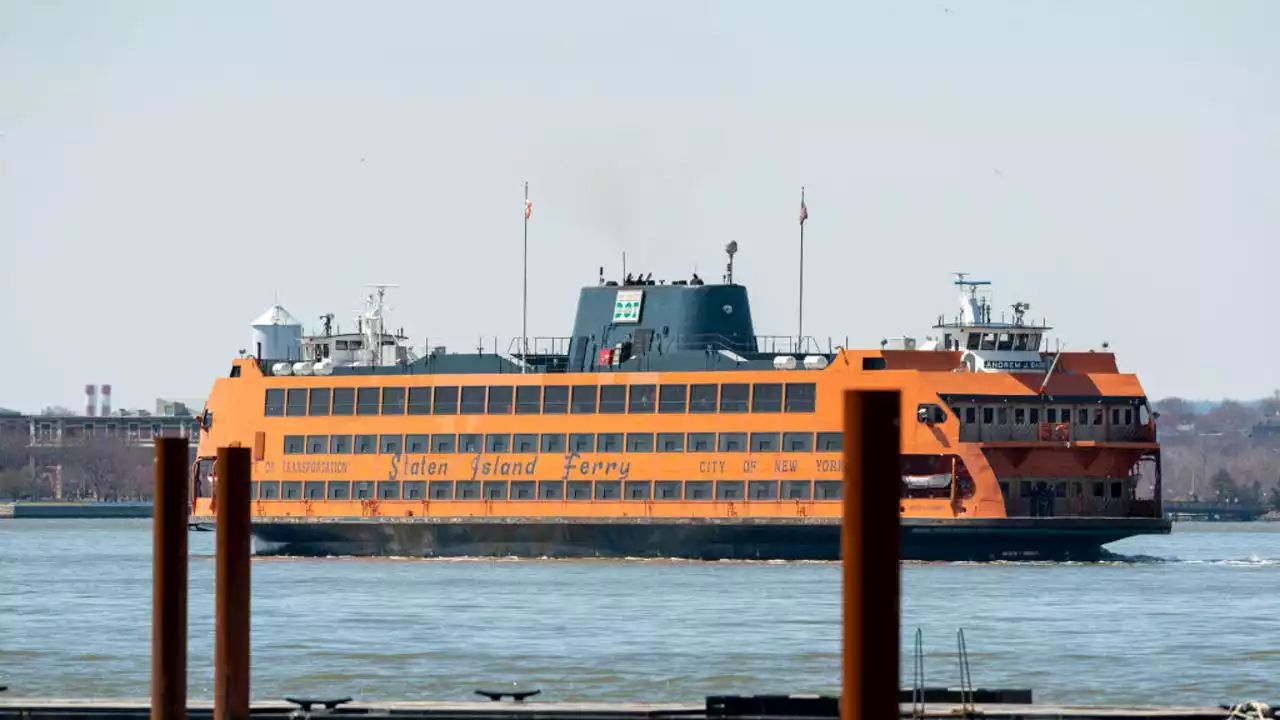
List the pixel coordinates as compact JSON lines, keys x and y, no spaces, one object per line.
{"x":327,"y":318}
{"x":731,"y":249}
{"x":373,"y":321}
{"x":1019,"y":312}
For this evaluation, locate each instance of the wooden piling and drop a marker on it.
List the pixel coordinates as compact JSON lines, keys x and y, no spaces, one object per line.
{"x":231,"y":601}
{"x":870,"y":548}
{"x":169,"y":581}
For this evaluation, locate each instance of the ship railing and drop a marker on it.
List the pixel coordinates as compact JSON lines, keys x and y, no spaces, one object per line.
{"x":539,"y":346}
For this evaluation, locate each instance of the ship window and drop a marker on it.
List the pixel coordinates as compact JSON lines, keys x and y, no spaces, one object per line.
{"x":800,"y":397}
{"x":1082,"y":416}
{"x":473,"y":400}
{"x":1019,"y":416}
{"x":670,"y":442}
{"x":667,"y":490}
{"x":797,"y":442}
{"x":339,"y":490}
{"x":640,"y":442}
{"x":609,"y":442}
{"x":702,"y":442}
{"x":555,"y":399}
{"x":578,"y":490}
{"x":416,"y":443}
{"x":525,"y":443}
{"x":413,"y":490}
{"x":697,"y":490}
{"x":764,"y":442}
{"x":637,"y":490}
{"x":582,"y":442}
{"x":440,"y":489}
{"x":673,"y":398}
{"x":419,"y":401}
{"x":367,"y":401}
{"x":1115,"y":490}
{"x":470,"y":442}
{"x":524,"y":490}
{"x":827,"y":489}
{"x":766,"y":397}
{"x":528,"y":400}
{"x":1024,"y":488}
{"x":319,"y":402}
{"x":393,"y":401}
{"x":294,"y":445}
{"x":362,"y":490}
{"x":466,"y":490}
{"x":1020,"y":341}
{"x":642,"y":398}
{"x":317,"y":444}
{"x":1128,"y":416}
{"x":608,"y":490}
{"x":1033,"y":341}
{"x":970,"y":415}
{"x":1097,"y":416}
{"x":497,"y":443}
{"x":391,"y":444}
{"x":988,"y":341}
{"x":339,"y":444}
{"x":613,"y":399}
{"x":500,"y":399}
{"x":584,"y":400}
{"x":552,"y":442}
{"x":974,"y":341}
{"x":702,"y":398}
{"x":1035,"y":416}
{"x":388,"y":490}
{"x":366,"y":444}
{"x":446,"y":400}
{"x":1098,"y":489}
{"x":290,"y":490}
{"x":553,"y":490}
{"x":297,"y":402}
{"x":988,"y":415}
{"x":495,"y":490}
{"x":733,"y":442}
{"x":796,"y":489}
{"x":762,"y":490}
{"x":443,"y":443}
{"x":830,"y":442}
{"x":1002,"y":416}
{"x":1115,"y":416}
{"x":1051,"y":415}
{"x":1006,"y":342}
{"x":275,"y":403}
{"x":729,"y":489}
{"x":734,"y":397}
{"x":344,"y":401}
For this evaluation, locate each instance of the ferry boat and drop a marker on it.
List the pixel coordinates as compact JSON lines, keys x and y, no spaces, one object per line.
{"x":665,"y":427}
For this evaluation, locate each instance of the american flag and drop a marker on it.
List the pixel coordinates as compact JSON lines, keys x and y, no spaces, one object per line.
{"x":804,"y":211}
{"x":528,"y":208}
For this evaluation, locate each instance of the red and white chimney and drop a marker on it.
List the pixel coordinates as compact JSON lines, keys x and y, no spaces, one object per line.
{"x":106,"y":401}
{"x":90,"y":400}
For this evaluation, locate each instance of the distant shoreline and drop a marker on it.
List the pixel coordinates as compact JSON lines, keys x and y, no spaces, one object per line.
{"x":67,"y":509}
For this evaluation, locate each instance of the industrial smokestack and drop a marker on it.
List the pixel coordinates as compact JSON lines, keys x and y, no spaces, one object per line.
{"x":106,"y":401}
{"x":90,"y":400}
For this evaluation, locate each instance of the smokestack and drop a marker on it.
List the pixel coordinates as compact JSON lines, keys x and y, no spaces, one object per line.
{"x":90,"y":400}
{"x":106,"y":401}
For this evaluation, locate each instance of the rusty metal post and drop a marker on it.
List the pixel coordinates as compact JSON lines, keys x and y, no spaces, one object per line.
{"x":231,"y":594}
{"x":169,"y":581}
{"x":870,"y":548}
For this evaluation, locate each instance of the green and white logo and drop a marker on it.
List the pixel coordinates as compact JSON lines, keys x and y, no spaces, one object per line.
{"x":626,"y":306}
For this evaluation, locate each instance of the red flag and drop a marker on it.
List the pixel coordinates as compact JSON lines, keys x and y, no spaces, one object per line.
{"x":528,"y":208}
{"x":804,"y":211}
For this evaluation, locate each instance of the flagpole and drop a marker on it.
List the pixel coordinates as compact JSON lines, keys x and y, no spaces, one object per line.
{"x":524,"y":297}
{"x":800,"y":324}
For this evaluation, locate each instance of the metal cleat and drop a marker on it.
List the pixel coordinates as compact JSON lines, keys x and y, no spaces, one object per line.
{"x":515,"y":694}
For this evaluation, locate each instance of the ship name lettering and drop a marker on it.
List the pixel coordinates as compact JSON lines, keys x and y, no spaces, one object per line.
{"x":831,"y":466}
{"x":314,"y":467}
{"x":617,"y":469}
{"x":711,"y":467}
{"x":784,"y":466}
{"x":500,"y":467}
{"x":748,"y":466}
{"x":416,"y":467}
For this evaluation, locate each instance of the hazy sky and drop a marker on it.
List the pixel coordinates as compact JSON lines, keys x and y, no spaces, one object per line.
{"x":165,"y":170}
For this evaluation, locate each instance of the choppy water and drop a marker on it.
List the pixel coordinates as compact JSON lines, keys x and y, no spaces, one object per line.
{"x":1189,"y":618}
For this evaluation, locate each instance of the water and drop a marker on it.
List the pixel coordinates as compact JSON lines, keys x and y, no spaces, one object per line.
{"x":1190,"y":618}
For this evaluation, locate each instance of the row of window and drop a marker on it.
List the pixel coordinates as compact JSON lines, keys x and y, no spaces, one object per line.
{"x":540,"y":400}
{"x":444,"y":443}
{"x":727,"y":490}
{"x":1027,"y":490}
{"x":1031,"y":416}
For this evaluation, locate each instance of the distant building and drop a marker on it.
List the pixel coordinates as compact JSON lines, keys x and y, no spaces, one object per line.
{"x":134,"y":429}
{"x":1267,"y":429}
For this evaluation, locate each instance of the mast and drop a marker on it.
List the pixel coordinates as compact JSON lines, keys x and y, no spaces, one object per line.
{"x":524,"y":298}
{"x":804,"y":215}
